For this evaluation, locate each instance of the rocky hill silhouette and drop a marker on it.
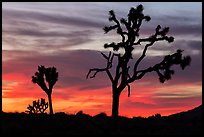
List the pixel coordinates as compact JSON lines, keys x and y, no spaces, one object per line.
{"x":182,"y":123}
{"x":195,"y":113}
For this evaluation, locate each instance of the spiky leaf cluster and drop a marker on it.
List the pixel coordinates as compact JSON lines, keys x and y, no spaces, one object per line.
{"x":164,"y":70}
{"x":50,"y":75}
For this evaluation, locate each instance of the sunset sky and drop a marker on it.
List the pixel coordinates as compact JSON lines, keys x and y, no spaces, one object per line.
{"x":70,"y":37}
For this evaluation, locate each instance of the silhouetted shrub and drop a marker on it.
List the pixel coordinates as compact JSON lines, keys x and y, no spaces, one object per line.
{"x":60,"y":114}
{"x":101,"y":115}
{"x":39,"y":106}
{"x":79,"y":113}
{"x":156,"y":116}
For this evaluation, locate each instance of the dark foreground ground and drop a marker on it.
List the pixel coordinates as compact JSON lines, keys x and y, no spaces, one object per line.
{"x":83,"y":124}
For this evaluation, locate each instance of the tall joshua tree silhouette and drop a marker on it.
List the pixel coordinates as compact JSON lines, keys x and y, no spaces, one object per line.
{"x":46,"y":79}
{"x":123,"y":73}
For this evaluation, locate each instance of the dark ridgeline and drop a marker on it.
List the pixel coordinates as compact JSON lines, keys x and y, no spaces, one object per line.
{"x":195,"y":113}
{"x":184,"y":123}
{"x":46,"y":79}
{"x":130,"y":39}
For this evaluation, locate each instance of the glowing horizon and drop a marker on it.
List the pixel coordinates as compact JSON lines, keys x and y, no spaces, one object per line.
{"x":69,"y":36}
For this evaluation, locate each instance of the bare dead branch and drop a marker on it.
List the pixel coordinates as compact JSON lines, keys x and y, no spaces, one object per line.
{"x":128,"y":90}
{"x":109,"y":59}
{"x":104,"y":55}
{"x":96,"y":71}
{"x":109,"y":75}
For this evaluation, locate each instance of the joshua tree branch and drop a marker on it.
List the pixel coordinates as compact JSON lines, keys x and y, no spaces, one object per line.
{"x":128,"y":90}
{"x":96,"y":71}
{"x":109,"y":59}
{"x":163,"y":68}
{"x":152,"y":39}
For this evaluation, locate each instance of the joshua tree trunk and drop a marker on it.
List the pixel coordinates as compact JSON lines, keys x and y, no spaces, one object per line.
{"x":115,"y":103}
{"x":50,"y":104}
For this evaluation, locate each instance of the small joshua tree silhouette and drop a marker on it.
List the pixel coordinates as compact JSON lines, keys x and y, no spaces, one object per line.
{"x":46,"y":79}
{"x":122,"y":73}
{"x":39,"y":106}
